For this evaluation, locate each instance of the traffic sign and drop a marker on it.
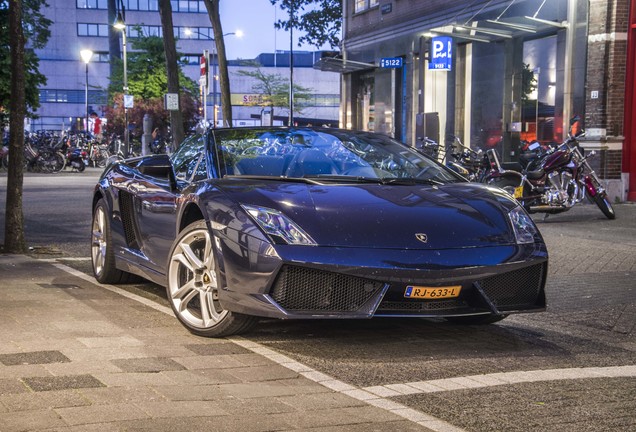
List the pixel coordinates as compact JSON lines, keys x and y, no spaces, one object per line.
{"x":391,"y":62}
{"x":204,"y":70}
{"x":441,"y":53}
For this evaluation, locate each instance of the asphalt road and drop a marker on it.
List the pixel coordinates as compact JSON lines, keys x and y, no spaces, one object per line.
{"x":590,"y":323}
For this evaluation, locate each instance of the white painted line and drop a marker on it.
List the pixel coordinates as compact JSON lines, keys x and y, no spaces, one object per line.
{"x":375,"y":396}
{"x":55,"y":260}
{"x":116,"y":290}
{"x":505,"y":378}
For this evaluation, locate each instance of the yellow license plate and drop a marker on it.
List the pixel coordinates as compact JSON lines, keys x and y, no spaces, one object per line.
{"x":423,"y":292}
{"x":518,"y":192}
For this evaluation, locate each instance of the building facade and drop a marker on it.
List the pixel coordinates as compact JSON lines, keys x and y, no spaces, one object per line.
{"x":493,"y":73}
{"x":85,"y":24}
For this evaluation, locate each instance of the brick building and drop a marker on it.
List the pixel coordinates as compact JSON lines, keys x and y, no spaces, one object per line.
{"x":493,"y":73}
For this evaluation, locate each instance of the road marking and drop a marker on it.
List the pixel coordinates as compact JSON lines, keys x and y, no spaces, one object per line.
{"x":500,"y":378}
{"x":55,"y":260}
{"x":150,"y":303}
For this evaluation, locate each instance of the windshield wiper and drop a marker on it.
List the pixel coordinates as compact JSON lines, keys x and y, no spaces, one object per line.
{"x":345,"y":178}
{"x":408,"y":181}
{"x":275,"y":178}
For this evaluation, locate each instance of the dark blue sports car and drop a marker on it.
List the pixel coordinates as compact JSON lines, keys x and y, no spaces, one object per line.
{"x":313,"y":223}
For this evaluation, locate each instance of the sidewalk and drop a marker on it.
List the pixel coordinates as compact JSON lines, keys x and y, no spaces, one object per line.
{"x":75,"y":356}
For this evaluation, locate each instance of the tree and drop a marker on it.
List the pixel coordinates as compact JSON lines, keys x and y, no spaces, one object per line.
{"x":224,"y":77}
{"x":35,"y":30}
{"x":148,"y":82}
{"x":274,"y":89}
{"x":14,"y":241}
{"x":22,"y":17}
{"x":320,"y":20}
{"x":172,"y":69}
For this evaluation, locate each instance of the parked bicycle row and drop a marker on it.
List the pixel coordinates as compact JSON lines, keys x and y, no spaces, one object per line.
{"x":51,"y":152}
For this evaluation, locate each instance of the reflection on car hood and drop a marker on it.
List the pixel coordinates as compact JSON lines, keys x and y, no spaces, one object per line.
{"x":385,"y":216}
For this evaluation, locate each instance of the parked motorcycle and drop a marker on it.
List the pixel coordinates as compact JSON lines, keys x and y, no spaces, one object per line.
{"x":555,"y":181}
{"x":76,"y":158}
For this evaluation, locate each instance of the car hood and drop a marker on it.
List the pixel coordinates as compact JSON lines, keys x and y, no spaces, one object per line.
{"x":456,"y":215}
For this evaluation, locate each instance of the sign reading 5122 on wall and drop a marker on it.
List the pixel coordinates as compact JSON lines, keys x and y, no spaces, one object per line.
{"x":441,"y":53}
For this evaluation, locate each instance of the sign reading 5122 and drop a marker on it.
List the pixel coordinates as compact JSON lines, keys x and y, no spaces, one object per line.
{"x":391,"y":62}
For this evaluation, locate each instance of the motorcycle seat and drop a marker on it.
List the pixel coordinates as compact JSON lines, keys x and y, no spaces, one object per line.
{"x":512,"y":166}
{"x":535,"y":175}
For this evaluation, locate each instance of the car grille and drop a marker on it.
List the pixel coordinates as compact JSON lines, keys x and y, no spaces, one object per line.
{"x":516,"y":288}
{"x":301,"y":289}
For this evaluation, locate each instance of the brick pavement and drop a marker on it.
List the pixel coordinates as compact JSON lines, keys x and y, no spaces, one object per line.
{"x":77,"y":357}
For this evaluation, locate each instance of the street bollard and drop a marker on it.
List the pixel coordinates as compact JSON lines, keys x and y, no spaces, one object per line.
{"x":146,"y":138}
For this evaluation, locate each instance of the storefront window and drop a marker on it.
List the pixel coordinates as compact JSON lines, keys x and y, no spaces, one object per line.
{"x":486,"y":118}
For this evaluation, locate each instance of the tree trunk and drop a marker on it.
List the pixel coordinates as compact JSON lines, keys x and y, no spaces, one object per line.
{"x":224,"y":78}
{"x":170,"y":47}
{"x":14,"y":240}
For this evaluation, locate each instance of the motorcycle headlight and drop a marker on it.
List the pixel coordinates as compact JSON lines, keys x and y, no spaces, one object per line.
{"x":278,"y":226}
{"x":523,"y":227}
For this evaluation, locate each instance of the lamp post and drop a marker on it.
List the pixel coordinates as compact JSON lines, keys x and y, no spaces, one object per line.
{"x":238,"y":34}
{"x":86,"y":55}
{"x":120,"y":24}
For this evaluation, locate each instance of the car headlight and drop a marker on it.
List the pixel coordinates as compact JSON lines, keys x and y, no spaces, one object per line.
{"x":524,"y":228}
{"x":279,"y":226}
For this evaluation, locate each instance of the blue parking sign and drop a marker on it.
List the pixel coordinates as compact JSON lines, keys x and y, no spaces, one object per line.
{"x":441,"y":53}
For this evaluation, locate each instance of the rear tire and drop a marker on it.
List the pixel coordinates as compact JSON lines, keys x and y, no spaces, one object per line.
{"x":193,"y":284}
{"x":102,"y":253}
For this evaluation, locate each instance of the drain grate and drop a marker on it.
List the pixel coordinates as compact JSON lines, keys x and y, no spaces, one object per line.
{"x":59,"y":286}
{"x":33,"y":358}
{"x":42,"y":384}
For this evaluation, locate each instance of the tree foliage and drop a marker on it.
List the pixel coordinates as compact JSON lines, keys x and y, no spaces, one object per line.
{"x":36,"y":32}
{"x":319,"y":20}
{"x":148,"y":83}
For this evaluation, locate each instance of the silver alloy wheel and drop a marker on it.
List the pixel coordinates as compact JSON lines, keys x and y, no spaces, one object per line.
{"x":98,"y":241}
{"x":192,"y":281}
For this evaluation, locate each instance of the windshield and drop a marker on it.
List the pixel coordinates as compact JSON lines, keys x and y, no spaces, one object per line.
{"x":335,"y":155}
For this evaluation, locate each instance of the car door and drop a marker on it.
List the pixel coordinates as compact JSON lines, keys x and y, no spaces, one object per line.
{"x":157,"y":203}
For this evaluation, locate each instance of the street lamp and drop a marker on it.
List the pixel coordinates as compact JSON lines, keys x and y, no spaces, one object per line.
{"x":238,"y":34}
{"x":86,"y":55}
{"x":120,"y":24}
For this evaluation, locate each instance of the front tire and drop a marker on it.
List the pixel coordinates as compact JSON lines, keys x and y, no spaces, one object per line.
{"x":600,"y":198}
{"x":605,"y":206}
{"x":193,"y":286}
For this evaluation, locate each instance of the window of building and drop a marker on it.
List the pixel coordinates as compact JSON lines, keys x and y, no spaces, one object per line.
{"x":89,"y":29}
{"x":144,"y":30}
{"x":191,"y":59}
{"x":147,"y":5}
{"x":201,"y":33}
{"x":92,"y":4}
{"x":188,"y":6}
{"x":362,"y":5}
{"x":95,"y":97}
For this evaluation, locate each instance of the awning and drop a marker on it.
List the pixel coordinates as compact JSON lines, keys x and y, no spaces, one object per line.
{"x":335,"y":64}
